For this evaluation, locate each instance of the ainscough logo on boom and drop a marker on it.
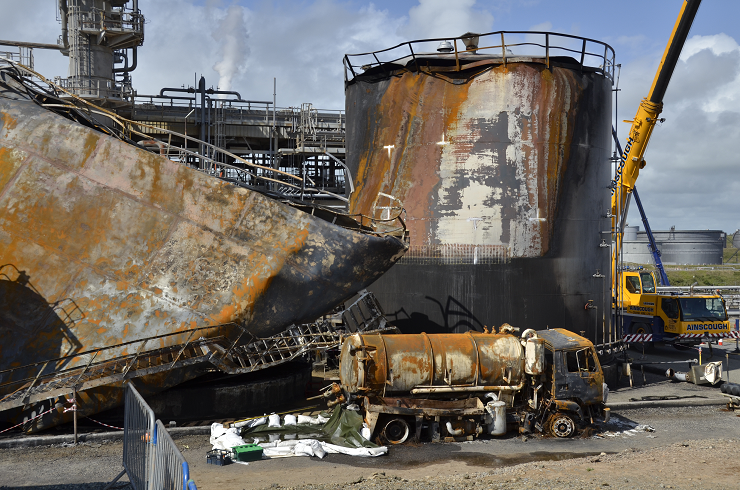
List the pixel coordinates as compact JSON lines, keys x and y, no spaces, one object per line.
{"x":622,"y":161}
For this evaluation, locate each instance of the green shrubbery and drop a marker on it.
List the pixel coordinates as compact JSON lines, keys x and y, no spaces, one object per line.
{"x":716,"y":277}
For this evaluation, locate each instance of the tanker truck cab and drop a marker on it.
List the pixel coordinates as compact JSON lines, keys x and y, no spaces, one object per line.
{"x":574,"y":383}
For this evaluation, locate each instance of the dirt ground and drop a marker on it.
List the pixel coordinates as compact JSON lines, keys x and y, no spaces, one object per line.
{"x":698,"y":464}
{"x":681,"y":448}
{"x":689,"y":465}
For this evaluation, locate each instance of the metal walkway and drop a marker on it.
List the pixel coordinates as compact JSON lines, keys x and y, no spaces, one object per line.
{"x":228,"y":355}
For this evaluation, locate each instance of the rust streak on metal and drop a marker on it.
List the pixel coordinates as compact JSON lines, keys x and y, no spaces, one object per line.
{"x":441,"y":140}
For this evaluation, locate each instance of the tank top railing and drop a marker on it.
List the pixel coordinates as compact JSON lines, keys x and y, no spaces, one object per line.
{"x":469,"y":48}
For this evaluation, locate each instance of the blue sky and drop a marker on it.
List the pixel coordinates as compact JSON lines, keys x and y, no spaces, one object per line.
{"x":692,"y":179}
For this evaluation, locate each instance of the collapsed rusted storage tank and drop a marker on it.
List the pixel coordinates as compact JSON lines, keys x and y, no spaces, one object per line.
{"x":501,"y":157}
{"x":103,"y":244}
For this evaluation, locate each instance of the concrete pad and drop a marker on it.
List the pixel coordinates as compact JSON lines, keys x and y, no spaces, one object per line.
{"x":654,"y":389}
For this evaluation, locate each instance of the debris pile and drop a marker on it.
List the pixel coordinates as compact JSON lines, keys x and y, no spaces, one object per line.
{"x":341,"y":432}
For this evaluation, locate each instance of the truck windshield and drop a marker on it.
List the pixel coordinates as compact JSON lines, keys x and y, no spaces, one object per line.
{"x":648,"y":284}
{"x":702,"y":309}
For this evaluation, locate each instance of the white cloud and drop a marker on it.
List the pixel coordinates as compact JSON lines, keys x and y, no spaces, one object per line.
{"x":302,"y":48}
{"x":542,"y":27}
{"x":692,"y":177}
{"x":443,"y":18}
{"x":34,"y":21}
{"x":718,"y":44}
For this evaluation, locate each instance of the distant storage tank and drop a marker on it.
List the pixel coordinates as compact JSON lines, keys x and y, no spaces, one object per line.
{"x":502,"y":162}
{"x":630,"y":233}
{"x":677,"y":247}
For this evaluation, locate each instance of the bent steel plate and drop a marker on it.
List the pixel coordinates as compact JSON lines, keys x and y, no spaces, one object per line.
{"x":101,"y":242}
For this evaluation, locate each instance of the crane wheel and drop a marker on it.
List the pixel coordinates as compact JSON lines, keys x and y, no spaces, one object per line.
{"x":642,"y":328}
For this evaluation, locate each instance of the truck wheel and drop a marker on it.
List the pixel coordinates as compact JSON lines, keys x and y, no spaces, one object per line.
{"x":642,"y":328}
{"x":562,"y":425}
{"x":396,"y":431}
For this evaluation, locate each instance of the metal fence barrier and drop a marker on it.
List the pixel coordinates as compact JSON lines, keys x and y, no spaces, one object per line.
{"x":170,"y":470}
{"x":150,"y":457}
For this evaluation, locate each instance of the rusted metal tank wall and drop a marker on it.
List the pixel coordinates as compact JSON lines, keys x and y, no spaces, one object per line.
{"x":398,"y":363}
{"x":101,"y":243}
{"x":503,"y":173}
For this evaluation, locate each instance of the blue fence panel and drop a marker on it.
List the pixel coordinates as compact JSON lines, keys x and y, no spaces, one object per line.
{"x":170,"y":470}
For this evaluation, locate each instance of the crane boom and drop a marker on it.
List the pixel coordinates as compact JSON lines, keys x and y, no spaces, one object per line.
{"x":641,"y":313}
{"x":631,"y":160}
{"x":651,"y":239}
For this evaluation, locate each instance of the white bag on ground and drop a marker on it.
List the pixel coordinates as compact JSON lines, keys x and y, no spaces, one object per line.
{"x":303,"y":449}
{"x":312,"y":447}
{"x":318,"y":449}
{"x":289,"y":420}
{"x":222,"y":438}
{"x":273,"y":420}
{"x":305,"y":419}
{"x":251,"y":423}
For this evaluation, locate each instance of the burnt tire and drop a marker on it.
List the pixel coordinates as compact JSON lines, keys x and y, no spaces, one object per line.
{"x":396,"y":431}
{"x":562,"y":425}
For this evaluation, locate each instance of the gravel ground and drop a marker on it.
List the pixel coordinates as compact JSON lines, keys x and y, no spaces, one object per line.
{"x":690,"y":448}
{"x":705,"y":464}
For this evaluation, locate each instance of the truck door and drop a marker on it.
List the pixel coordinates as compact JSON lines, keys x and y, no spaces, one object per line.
{"x":669,"y":306}
{"x":584,"y":376}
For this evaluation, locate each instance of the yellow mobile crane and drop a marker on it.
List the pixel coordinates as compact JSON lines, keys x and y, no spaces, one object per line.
{"x":644,"y":314}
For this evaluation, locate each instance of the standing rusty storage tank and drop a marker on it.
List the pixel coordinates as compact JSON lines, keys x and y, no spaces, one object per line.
{"x":501,"y":156}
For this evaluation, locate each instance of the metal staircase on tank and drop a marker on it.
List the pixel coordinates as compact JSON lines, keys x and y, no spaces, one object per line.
{"x":364,"y":315}
{"x":228,"y":355}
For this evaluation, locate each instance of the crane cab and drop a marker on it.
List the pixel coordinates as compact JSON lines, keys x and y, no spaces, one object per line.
{"x":679,"y":318}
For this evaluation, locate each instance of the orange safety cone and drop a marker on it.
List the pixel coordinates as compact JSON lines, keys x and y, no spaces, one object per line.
{"x":720,"y":342}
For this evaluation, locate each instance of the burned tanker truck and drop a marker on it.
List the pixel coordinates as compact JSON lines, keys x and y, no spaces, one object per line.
{"x":458,"y":386}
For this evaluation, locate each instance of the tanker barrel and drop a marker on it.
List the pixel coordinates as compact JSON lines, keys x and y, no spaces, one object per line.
{"x":431,"y":363}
